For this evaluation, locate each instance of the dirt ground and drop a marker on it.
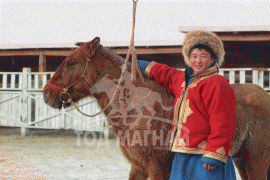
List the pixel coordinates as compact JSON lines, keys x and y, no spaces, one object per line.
{"x":60,"y":155}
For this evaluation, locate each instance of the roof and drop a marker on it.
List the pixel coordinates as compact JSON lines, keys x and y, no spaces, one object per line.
{"x":226,"y":33}
{"x":105,"y":43}
{"x":37,"y":46}
{"x":235,"y":33}
{"x":262,"y":28}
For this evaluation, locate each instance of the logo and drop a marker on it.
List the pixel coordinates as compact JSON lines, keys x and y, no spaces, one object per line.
{"x":137,"y":114}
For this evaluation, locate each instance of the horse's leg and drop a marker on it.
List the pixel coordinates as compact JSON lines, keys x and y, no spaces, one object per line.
{"x":138,"y":164}
{"x":156,"y":172}
{"x":252,"y":164}
{"x":257,"y":167}
{"x":137,"y":174}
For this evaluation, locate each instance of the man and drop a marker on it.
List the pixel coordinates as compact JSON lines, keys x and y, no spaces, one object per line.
{"x":204,"y":109}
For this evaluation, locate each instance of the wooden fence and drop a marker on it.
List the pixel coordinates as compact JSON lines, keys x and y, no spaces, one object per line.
{"x":259,"y":76}
{"x":22,"y":104}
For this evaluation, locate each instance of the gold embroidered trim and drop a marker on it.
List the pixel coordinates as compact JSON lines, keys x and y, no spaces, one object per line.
{"x":188,"y":150}
{"x":182,"y":106}
{"x":194,"y":80}
{"x":182,"y":143}
{"x":183,"y":84}
{"x":176,"y":109}
{"x":187,"y":112}
{"x":201,"y":151}
{"x":179,"y":109}
{"x":149,"y":67}
{"x":193,"y":84}
{"x":215,"y":156}
{"x":206,"y":72}
{"x":202,"y":144}
{"x":221,"y":151}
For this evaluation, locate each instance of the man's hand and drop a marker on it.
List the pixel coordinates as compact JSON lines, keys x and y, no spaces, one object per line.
{"x":209,"y":167}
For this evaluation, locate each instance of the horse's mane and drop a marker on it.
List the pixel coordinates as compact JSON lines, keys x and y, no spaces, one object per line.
{"x":113,"y":56}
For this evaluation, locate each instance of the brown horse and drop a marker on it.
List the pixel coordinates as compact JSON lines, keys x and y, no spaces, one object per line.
{"x":144,"y":146}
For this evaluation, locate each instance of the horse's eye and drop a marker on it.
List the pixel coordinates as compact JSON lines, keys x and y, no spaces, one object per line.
{"x":72,"y":63}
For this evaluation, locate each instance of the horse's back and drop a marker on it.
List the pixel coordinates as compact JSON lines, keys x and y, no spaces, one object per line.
{"x":252,"y":124}
{"x":254,"y":98}
{"x":252,"y":93}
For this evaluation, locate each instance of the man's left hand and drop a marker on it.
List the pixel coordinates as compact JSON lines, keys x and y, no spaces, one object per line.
{"x":209,"y":167}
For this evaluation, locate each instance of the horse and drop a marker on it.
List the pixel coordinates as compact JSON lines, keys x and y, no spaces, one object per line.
{"x":144,"y":141}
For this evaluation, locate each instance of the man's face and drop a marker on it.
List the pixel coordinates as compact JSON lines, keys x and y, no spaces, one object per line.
{"x":200,"y":59}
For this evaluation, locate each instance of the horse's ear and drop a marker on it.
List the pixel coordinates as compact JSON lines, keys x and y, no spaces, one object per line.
{"x":92,"y":45}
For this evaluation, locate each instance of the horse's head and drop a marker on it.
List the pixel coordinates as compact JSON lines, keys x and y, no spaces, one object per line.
{"x":79,"y":72}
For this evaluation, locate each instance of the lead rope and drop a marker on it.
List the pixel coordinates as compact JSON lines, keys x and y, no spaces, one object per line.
{"x":134,"y":67}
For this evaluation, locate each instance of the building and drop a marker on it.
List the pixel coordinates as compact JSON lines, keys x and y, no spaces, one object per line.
{"x":245,"y":46}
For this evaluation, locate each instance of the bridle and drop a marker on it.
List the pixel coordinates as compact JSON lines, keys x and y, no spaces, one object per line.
{"x":65,"y":90}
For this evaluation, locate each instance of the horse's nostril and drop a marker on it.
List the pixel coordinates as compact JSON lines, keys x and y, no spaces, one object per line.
{"x":45,"y":96}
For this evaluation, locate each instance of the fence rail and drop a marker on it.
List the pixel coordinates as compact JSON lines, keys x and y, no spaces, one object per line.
{"x":16,"y":80}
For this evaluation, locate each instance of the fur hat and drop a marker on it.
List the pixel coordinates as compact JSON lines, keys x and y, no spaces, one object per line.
{"x":206,"y":38}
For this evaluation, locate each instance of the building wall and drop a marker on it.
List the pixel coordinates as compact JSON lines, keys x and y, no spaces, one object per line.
{"x":16,"y":63}
{"x":239,"y":54}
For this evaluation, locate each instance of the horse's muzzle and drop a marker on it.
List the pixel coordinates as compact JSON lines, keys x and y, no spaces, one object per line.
{"x":46,"y":97}
{"x":51,"y":103}
{"x":54,"y":103}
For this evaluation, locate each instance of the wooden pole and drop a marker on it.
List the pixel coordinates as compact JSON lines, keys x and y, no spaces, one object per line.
{"x":42,"y":64}
{"x":24,"y":101}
